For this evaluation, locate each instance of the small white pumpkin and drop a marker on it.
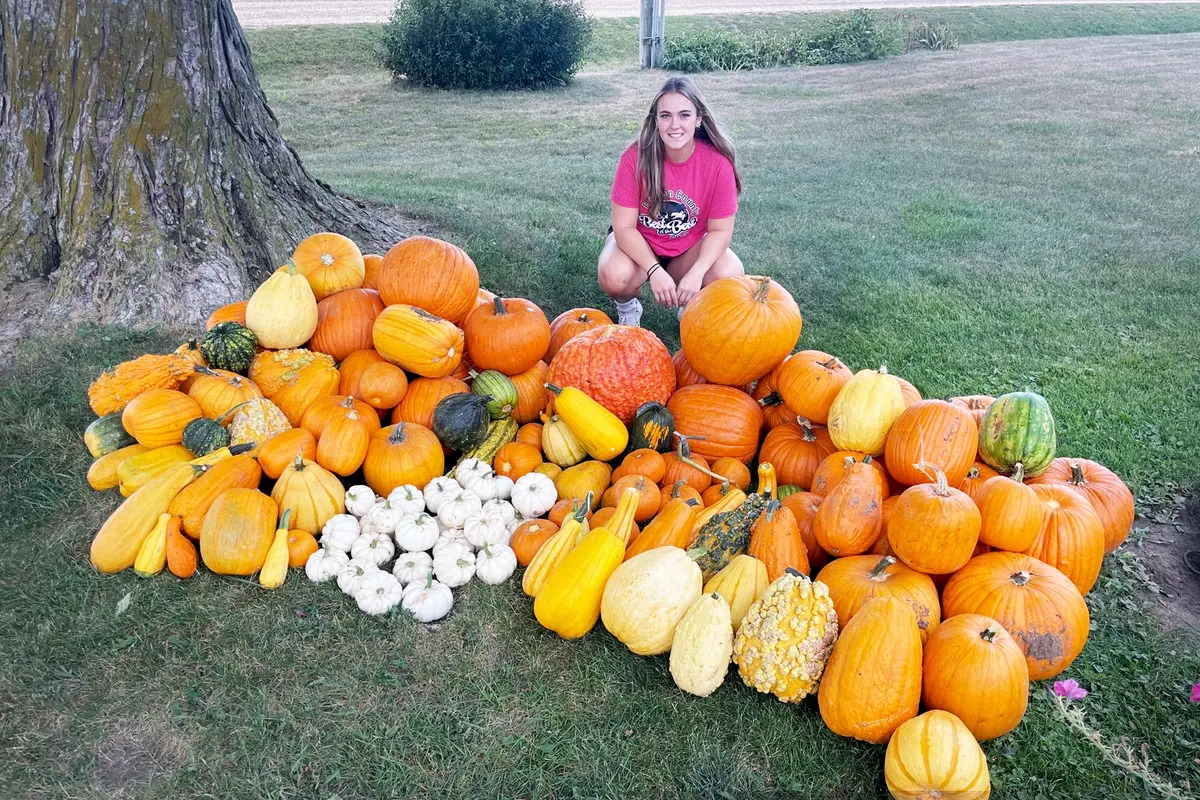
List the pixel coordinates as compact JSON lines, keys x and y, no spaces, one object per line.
{"x":495,"y":563}
{"x":411,"y":567}
{"x":533,"y":495}
{"x":455,"y":508}
{"x":352,"y":575}
{"x":500,"y":508}
{"x":482,"y":484}
{"x":339,"y":532}
{"x":482,"y":528}
{"x":470,"y":468}
{"x":408,"y":499}
{"x":381,"y":517}
{"x":452,"y":537}
{"x":438,"y":488}
{"x":325,"y":564}
{"x":374,"y":547}
{"x":417,"y":533}
{"x":454,"y":565}
{"x":359,"y":499}
{"x":504,"y":487}
{"x":428,"y":600}
{"x":378,"y":593}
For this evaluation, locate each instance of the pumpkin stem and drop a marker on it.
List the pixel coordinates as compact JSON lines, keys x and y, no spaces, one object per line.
{"x":347,"y":403}
{"x":806,"y":428}
{"x":1020,"y":578}
{"x":398,"y":434}
{"x":831,"y":364}
{"x":291,"y":266}
{"x":771,"y":400}
{"x":684,"y":452}
{"x":973,"y":472}
{"x":988,"y":633}
{"x":882,"y":369}
{"x":550,"y":387}
{"x":298,"y":464}
{"x":760,"y":291}
{"x":580,"y":514}
{"x":877,"y":572}
{"x":1077,"y":478}
{"x":203,"y":370}
{"x":1019,"y":474}
{"x":244,"y":447}
{"x":221,"y":419}
{"x":500,"y":309}
{"x":941,"y":488}
{"x":793,"y":572}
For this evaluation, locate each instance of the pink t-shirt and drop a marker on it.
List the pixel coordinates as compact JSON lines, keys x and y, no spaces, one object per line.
{"x":700,"y":188}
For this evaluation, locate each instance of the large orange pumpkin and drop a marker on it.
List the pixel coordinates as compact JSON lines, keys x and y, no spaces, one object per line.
{"x":809,"y":381}
{"x":796,"y":449}
{"x":295,"y":389}
{"x":934,"y":528}
{"x":739,"y":328}
{"x":280,"y":450}
{"x":833,"y":468}
{"x":430,"y":274}
{"x":422,"y":398}
{"x":1071,"y":538}
{"x":344,"y":322}
{"x":400,"y":454}
{"x":507,"y":335}
{"x":237,"y":532}
{"x":618,"y":366}
{"x":723,"y":421}
{"x":418,"y":341}
{"x":342,"y":444}
{"x":932,"y":431}
{"x":326,"y":409}
{"x":850,"y":516}
{"x":569,"y":324}
{"x":854,"y":580}
{"x":1110,"y":497}
{"x":1039,"y":607}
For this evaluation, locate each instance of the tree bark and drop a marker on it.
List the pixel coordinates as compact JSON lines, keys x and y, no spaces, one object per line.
{"x":142,"y":174}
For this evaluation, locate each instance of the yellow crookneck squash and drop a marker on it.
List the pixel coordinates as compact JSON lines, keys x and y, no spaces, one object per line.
{"x":116,"y":544}
{"x":551,"y":554}
{"x":568,"y":603}
{"x":275,"y":566}
{"x":601,"y":432}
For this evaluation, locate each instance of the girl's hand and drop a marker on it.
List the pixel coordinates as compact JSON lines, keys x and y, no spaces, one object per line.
{"x":663,"y":287}
{"x":689,"y":286}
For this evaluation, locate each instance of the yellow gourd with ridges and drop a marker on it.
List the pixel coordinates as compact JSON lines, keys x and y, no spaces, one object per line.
{"x":136,"y":471}
{"x":275,"y":566}
{"x":740,"y":582}
{"x":116,"y":544}
{"x":600,"y":431}
{"x":283,"y":311}
{"x":555,"y":549}
{"x":102,"y":474}
{"x":152,"y":555}
{"x":560,"y":444}
{"x":569,"y":601}
{"x":864,"y":410}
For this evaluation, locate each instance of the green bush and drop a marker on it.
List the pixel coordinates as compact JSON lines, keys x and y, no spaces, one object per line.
{"x":858,"y":36}
{"x":486,"y":44}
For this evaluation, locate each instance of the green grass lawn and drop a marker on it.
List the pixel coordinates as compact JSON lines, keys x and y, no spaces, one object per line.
{"x":1004,"y":216}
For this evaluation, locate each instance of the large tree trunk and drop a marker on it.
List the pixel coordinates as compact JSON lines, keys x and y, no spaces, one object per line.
{"x":142,"y":175}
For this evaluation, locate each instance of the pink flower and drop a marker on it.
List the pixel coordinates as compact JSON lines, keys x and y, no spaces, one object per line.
{"x":1071,"y":689}
{"x":1196,"y":692}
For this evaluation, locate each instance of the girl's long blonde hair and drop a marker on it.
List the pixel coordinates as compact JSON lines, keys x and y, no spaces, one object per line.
{"x":651,"y":151}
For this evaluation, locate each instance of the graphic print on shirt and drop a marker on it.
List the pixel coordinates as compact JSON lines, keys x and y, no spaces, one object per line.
{"x":679,"y":215}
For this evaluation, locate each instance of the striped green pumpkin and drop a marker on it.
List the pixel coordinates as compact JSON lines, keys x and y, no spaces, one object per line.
{"x":230,"y":346}
{"x":501,"y":391}
{"x":1018,"y":429}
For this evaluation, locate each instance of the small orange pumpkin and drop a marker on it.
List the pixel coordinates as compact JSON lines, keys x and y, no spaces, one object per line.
{"x":301,"y":545}
{"x":372,"y":263}
{"x":331,"y":262}
{"x":529,"y":537}
{"x":934,"y":528}
{"x":382,"y":386}
{"x":775,"y":541}
{"x":233,"y":312}
{"x":422,"y":398}
{"x":402,"y":453}
{"x":516,"y":459}
{"x":809,"y":381}
{"x":532,"y":396}
{"x":276,"y":453}
{"x":570,"y":323}
{"x":648,"y":463}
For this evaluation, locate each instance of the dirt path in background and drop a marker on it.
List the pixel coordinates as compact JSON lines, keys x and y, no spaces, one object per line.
{"x":278,"y":13}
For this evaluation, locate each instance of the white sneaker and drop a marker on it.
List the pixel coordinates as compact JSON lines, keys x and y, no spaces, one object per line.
{"x":632,"y":317}
{"x":679,"y":312}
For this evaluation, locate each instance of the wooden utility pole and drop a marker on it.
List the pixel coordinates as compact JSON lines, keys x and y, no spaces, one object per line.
{"x":651,"y":31}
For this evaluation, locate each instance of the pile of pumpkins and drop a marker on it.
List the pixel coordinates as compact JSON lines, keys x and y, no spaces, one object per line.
{"x":829,"y":532}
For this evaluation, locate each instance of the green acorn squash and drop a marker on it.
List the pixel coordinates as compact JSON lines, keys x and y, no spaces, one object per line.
{"x":652,"y":427}
{"x":460,"y":421}
{"x":202,"y":436}
{"x":500,"y":391}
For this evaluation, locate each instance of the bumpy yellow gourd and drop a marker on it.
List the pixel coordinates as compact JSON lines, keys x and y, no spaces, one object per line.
{"x":569,"y":601}
{"x":864,"y":410}
{"x":551,"y":554}
{"x":646,"y":597}
{"x":152,"y":555}
{"x":116,"y":544}
{"x":283,"y":311}
{"x":600,"y":431}
{"x":702,"y":645}
{"x":275,"y":566}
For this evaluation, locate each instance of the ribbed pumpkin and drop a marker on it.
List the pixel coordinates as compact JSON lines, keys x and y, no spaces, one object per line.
{"x":647,"y":463}
{"x":560,"y":444}
{"x":803,"y":506}
{"x":741,"y":582}
{"x":531,"y":434}
{"x":509,"y":335}
{"x":975,"y":404}
{"x":276,"y":453}
{"x":116,"y":544}
{"x":910,"y":393}
{"x":1071,"y":538}
{"x":531,"y":392}
{"x":325,"y":409}
{"x":314,"y":493}
{"x":809,"y":382}
{"x":796,"y":449}
{"x":345,"y":321}
{"x":1010,"y":513}
{"x":157,"y":418}
{"x":194,"y":501}
{"x":217,"y":390}
{"x":728,"y":419}
{"x":372,"y":263}
{"x":854,"y":580}
{"x":872,"y":683}
{"x":569,"y":324}
{"x":422,"y":398}
{"x":973,"y":669}
{"x":775,"y":541}
{"x":342,"y":444}
{"x":977,"y":475}
{"x":935,"y":432}
{"x":404,"y":453}
{"x":232,"y":312}
{"x":282,"y":312}
{"x":1039,"y":607}
{"x":733,"y":471}
{"x":430,"y":274}
{"x":618,"y":366}
{"x":529,"y":537}
{"x":418,"y":341}
{"x":863,"y":411}
{"x":646,"y":596}
{"x":934,"y":528}
{"x":331,"y":263}
{"x":237,"y":532}
{"x":1109,"y":496}
{"x":1018,"y":428}
{"x":850,"y":516}
{"x":739,"y":328}
{"x":934,"y":755}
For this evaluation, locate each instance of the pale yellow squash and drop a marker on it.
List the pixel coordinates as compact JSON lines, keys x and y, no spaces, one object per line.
{"x":646,"y":597}
{"x":116,"y":544}
{"x":864,"y":410}
{"x":282,"y":312}
{"x":702,"y":646}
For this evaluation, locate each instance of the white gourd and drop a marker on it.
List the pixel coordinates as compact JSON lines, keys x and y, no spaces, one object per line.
{"x":378,"y":593}
{"x":374,"y":547}
{"x":359,"y":500}
{"x":339,"y":532}
{"x":533,"y":495}
{"x":455,"y":508}
{"x":324,"y":564}
{"x":428,"y":601}
{"x":352,"y":574}
{"x":411,"y":567}
{"x":454,"y":565}
{"x":436,"y":489}
{"x":408,"y":499}
{"x":417,"y":533}
{"x":495,"y":563}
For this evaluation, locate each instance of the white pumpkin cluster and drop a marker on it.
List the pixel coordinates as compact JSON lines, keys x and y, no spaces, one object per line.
{"x":457,"y":529}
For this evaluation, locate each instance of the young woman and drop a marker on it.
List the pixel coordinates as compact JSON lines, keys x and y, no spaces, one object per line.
{"x":673,"y":203}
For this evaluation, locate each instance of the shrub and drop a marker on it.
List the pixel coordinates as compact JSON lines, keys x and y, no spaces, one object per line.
{"x":486,"y":44}
{"x":921,"y":34}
